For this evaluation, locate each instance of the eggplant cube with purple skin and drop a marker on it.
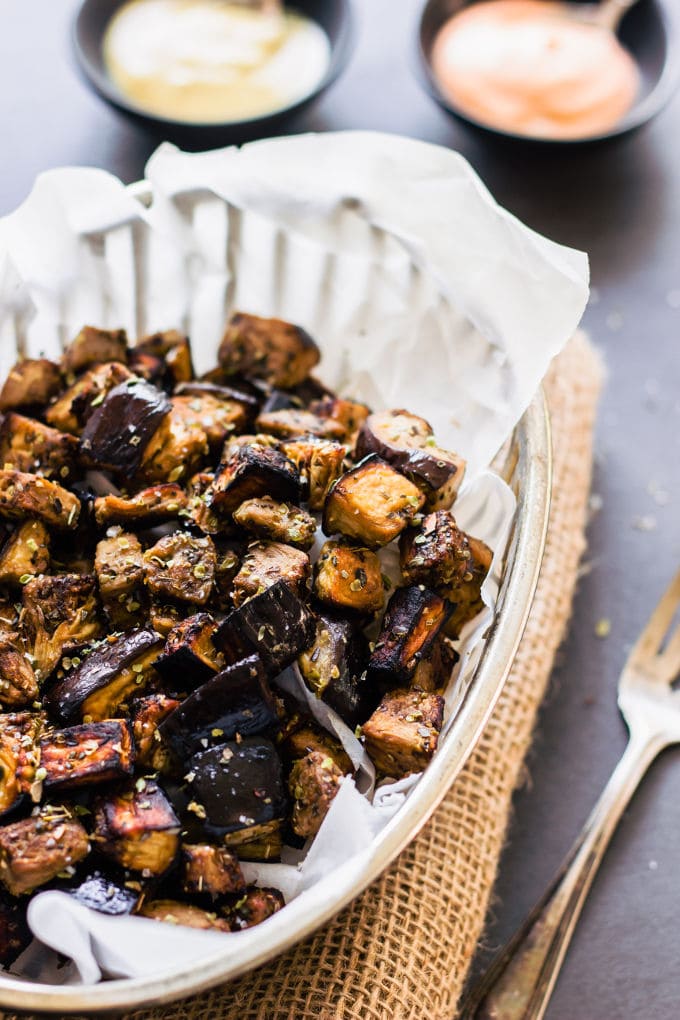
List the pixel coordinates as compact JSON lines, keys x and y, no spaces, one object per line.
{"x":265,"y":564}
{"x":319,"y":462}
{"x":349,"y":577}
{"x":271,"y":349}
{"x":466,"y":593}
{"x":402,"y":734}
{"x":73,"y":408}
{"x":334,"y":668}
{"x":372,"y":503}
{"x":138,"y":828}
{"x":190,"y":657}
{"x":253,"y":470}
{"x":413,"y":618}
{"x":435,"y":553}
{"x":122,"y":426}
{"x":85,"y":755}
{"x":147,"y":713}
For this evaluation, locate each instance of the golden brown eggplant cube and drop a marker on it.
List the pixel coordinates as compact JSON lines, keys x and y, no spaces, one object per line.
{"x":173,"y":350}
{"x":466,"y":594}
{"x":266,"y":563}
{"x":25,"y":495}
{"x":84,"y":755}
{"x":72,"y":409}
{"x":19,"y":755}
{"x":184,"y":914}
{"x":313,"y":783}
{"x":138,"y":828}
{"x":278,"y":522}
{"x":190,"y":657}
{"x":211,"y":870}
{"x":92,"y":346}
{"x":147,"y":714}
{"x":176,"y":450}
{"x":348,"y":413}
{"x":319,"y":462}
{"x":119,"y":567}
{"x":254,"y":907}
{"x":412,"y":621}
{"x":59,"y":614}
{"x":25,"y":554}
{"x":182,"y":567}
{"x":271,"y":349}
{"x":437,"y":552}
{"x":28,"y":445}
{"x":402,"y":734}
{"x":18,"y":684}
{"x":290,"y":422}
{"x":32,"y":382}
{"x":372,"y":503}
{"x":349,"y":577}
{"x":252,"y":470}
{"x":37,"y":849}
{"x":154,"y":505}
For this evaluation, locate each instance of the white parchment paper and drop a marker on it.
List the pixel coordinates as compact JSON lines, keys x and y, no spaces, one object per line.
{"x":421,"y":292}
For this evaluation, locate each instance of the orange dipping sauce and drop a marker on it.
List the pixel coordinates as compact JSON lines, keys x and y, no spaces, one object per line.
{"x":530,"y":68}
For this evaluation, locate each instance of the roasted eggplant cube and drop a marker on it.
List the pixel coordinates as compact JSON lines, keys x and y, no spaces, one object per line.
{"x":261,"y":843}
{"x":119,"y":567}
{"x":182,"y":567}
{"x":190,"y":657}
{"x":37,"y":849}
{"x":407,"y":443}
{"x":25,"y":495}
{"x":350,"y":414}
{"x":413,"y":618}
{"x":229,"y":553}
{"x":402,"y":734}
{"x":292,"y":422}
{"x":320,"y":463}
{"x":372,"y":503}
{"x":31,"y":383}
{"x":174,"y":351}
{"x":28,"y":445}
{"x":60,"y":613}
{"x":218,"y":418}
{"x":106,"y":895}
{"x":302,"y":735}
{"x":92,"y":346}
{"x":15,"y":935}
{"x":19,"y":756}
{"x":433,"y":671}
{"x":254,"y":907}
{"x":349,"y":577}
{"x":71,"y":411}
{"x":137,"y":829}
{"x":466,"y":594}
{"x":266,"y":564}
{"x":253,"y":470}
{"x":184,"y":914}
{"x":236,"y":701}
{"x":275,"y":625}
{"x":85,"y":755}
{"x":210,"y":871}
{"x":25,"y":554}
{"x":334,"y":668}
{"x":122,"y":426}
{"x":278,"y":522}
{"x":106,"y":678}
{"x":269,"y":349}
{"x":177,"y":449}
{"x":313,"y":783}
{"x":237,"y":787}
{"x":149,"y":506}
{"x":18,"y":683}
{"x":147,"y":714}
{"x":437,"y":552}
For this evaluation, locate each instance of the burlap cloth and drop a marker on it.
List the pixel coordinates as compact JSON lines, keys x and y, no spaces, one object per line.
{"x":401,"y":951}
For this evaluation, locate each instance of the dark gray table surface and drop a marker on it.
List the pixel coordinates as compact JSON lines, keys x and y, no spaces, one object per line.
{"x":620,"y":203}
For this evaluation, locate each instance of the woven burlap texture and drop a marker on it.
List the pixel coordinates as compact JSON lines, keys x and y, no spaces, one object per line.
{"x":401,"y":951}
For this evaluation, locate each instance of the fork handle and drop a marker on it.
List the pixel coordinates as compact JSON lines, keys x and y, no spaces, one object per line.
{"x":519,"y":982}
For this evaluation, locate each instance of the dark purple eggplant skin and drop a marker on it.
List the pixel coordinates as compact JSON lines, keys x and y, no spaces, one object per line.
{"x":418,"y":464}
{"x":67,"y":695}
{"x":275,"y":625}
{"x":121,"y":428}
{"x":179,"y":667}
{"x":236,"y":781}
{"x":237,"y":700}
{"x":350,"y":693}
{"x":105,"y":895}
{"x":404,"y":637}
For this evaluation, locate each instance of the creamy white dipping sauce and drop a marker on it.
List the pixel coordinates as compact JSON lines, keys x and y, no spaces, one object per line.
{"x":212,"y":61}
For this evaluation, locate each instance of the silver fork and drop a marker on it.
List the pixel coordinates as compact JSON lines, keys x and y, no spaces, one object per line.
{"x":520,"y":981}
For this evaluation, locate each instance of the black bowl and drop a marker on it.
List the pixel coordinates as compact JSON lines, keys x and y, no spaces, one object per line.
{"x":334,"y":17}
{"x":649,"y":31}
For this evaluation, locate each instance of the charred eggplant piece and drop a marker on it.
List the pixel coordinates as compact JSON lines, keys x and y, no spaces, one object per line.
{"x":181,"y":567}
{"x":372,"y":502}
{"x":106,"y":895}
{"x":75,"y":406}
{"x":291,"y":423}
{"x":278,"y":522}
{"x":254,"y":907}
{"x":147,"y":714}
{"x":19,"y":756}
{"x":184,"y":914}
{"x":176,"y":450}
{"x":436,"y":553}
{"x":173,"y":350}
{"x":349,"y":577}
{"x":413,"y":618}
{"x":119,"y":568}
{"x":319,"y":462}
{"x":25,"y":554}
{"x":211,"y":871}
{"x":189,"y":657}
{"x":150,"y":506}
{"x":85,"y":755}
{"x":24,"y":495}
{"x":402,"y":734}
{"x":92,"y":346}
{"x":229,"y":553}
{"x":269,"y":349}
{"x":107,"y":677}
{"x":31,"y":383}
{"x":138,"y":829}
{"x":18,"y":684}
{"x":59,"y":615}
{"x":407,"y":443}
{"x":29,"y":446}
{"x":334,"y":668}
{"x":237,"y":787}
{"x":434,"y":670}
{"x":275,"y":625}
{"x":301,"y":736}
{"x":466,"y":594}
{"x":121,"y":428}
{"x":15,"y":935}
{"x":35,"y":850}
{"x":268,"y":563}
{"x":313,"y":783}
{"x":250,"y":471}
{"x":350,"y":414}
{"x":236,"y":701}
